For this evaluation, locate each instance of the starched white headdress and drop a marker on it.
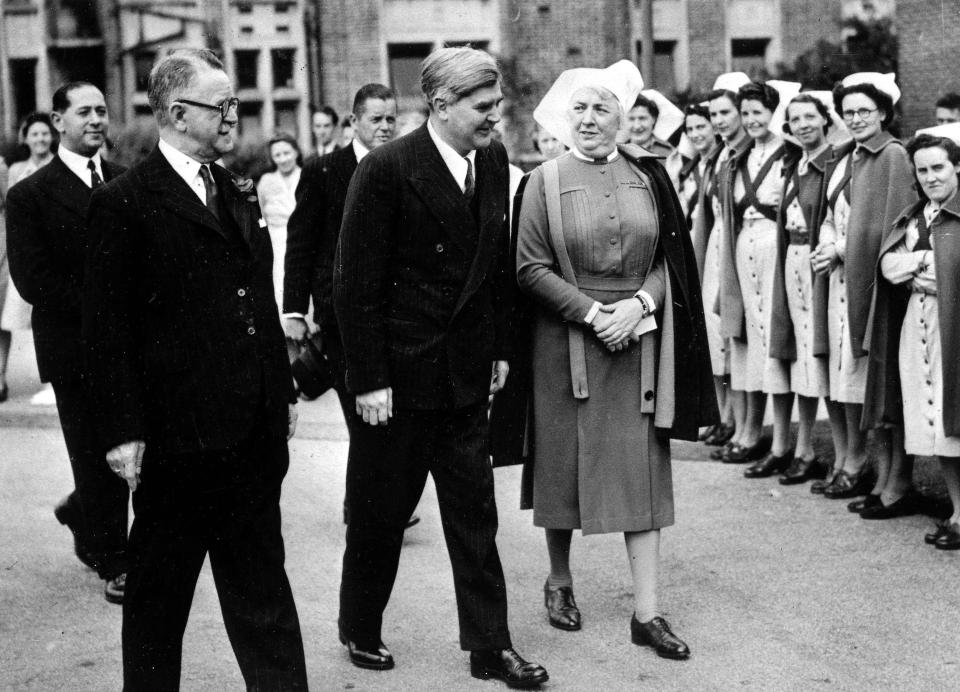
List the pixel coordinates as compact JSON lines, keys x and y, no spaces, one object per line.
{"x":670,"y":118}
{"x":622,"y":79}
{"x":887,"y":83}
{"x":948,"y":130}
{"x":731,"y":81}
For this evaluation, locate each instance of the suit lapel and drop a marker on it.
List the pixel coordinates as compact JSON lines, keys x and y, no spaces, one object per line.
{"x":66,"y":188}
{"x":440,"y":192}
{"x":175,"y":194}
{"x":236,"y":202}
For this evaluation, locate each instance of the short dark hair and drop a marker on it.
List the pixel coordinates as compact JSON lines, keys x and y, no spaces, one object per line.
{"x":286,"y":138}
{"x":651,"y":106}
{"x":327,"y":110}
{"x":34,"y":118}
{"x":722,"y":93}
{"x":699,"y":108}
{"x":926,"y":141}
{"x":950,"y":100}
{"x":374,"y":91}
{"x":883,"y":100}
{"x":808,"y":98}
{"x":761,"y":92}
{"x":61,"y":97}
{"x":174,"y":72}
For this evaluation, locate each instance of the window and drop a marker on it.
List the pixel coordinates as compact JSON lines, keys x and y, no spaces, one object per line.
{"x":664,"y":70}
{"x":246,"y":66}
{"x":282,"y":7}
{"x":749,"y":55}
{"x":282,"y":60}
{"x":142,"y":64}
{"x":283,"y":29}
{"x":245,"y":8}
{"x":479,"y":45}
{"x":251,"y":118}
{"x":285,"y":116}
{"x":23,"y":76}
{"x":404,"y":59}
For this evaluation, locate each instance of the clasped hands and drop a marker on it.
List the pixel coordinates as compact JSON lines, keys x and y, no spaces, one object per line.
{"x":616,"y":323}
{"x":824,"y":258}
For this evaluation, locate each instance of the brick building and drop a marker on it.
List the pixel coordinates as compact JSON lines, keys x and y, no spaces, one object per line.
{"x":928,"y":34}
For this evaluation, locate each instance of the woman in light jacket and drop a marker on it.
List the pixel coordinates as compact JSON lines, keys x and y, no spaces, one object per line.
{"x":619,"y":354}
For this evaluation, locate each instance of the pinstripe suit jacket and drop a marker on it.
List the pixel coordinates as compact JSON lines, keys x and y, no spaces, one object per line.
{"x":183,"y":338}
{"x":422,"y":288}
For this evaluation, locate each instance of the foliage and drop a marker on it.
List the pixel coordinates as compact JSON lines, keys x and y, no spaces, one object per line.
{"x":869,"y":46}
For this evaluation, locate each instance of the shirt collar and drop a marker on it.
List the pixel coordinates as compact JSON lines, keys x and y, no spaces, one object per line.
{"x":186,"y":166}
{"x":78,"y":164}
{"x":583,"y":157}
{"x":359,"y":150}
{"x":456,"y":163}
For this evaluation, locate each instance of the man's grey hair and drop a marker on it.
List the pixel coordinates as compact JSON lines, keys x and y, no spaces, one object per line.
{"x":173,"y":74}
{"x":449,"y":74}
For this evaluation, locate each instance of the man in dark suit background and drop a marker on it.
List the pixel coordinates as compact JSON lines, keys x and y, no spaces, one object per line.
{"x":421,"y":293}
{"x":47,"y":231}
{"x":193,"y":387}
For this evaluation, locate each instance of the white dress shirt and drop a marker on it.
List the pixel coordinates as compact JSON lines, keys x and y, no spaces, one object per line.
{"x":456,"y":163}
{"x":358,"y":149}
{"x":78,"y":164}
{"x":187,"y":168}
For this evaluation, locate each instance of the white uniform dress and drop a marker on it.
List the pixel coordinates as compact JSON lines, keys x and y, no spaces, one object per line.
{"x":277,"y":195}
{"x":808,"y":373}
{"x":751,"y":367}
{"x":847,"y":374}
{"x":710,"y":288}
{"x":921,"y":371}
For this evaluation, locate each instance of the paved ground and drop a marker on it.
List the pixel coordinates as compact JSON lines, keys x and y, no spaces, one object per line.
{"x":774,"y":589}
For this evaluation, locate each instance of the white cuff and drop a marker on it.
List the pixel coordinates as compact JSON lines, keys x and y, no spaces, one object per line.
{"x":594,"y":309}
{"x":647,"y":300}
{"x":298,"y":315}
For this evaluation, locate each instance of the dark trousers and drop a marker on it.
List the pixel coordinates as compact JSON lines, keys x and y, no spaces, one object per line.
{"x":227,"y":504}
{"x":386,"y":471}
{"x":333,"y":350}
{"x":99,"y":499}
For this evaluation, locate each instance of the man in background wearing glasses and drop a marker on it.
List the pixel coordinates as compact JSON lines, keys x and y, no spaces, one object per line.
{"x":192,"y":385}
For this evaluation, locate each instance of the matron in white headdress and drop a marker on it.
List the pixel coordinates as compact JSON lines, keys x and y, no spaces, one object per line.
{"x":885,"y":82}
{"x":622,"y":79}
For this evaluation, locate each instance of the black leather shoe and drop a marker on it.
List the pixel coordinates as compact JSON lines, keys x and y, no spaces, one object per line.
{"x":818,"y":487}
{"x":412,"y":521}
{"x":67,"y":515}
{"x":905,"y":506}
{"x":803,"y":470}
{"x":721,"y":435}
{"x":769,"y":465}
{"x":658,"y":635}
{"x":506,"y":665}
{"x":113,"y":589}
{"x":847,"y":485}
{"x":950,"y":540}
{"x":858,"y":506}
{"x":940,"y":530}
{"x":706,"y":432}
{"x":562,"y":609}
{"x":371,"y":659}
{"x":741,"y":454}
{"x":718,"y":453}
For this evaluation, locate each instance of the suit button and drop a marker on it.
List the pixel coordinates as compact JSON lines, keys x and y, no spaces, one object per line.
{"x":439,"y":247}
{"x":251,"y":331}
{"x":648,"y":395}
{"x":241,"y":293}
{"x":613,"y":241}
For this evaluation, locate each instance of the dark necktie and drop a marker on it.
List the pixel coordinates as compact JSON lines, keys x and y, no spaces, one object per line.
{"x":211,"y":190}
{"x":468,"y":185}
{"x":95,"y":179}
{"x":923,"y":233}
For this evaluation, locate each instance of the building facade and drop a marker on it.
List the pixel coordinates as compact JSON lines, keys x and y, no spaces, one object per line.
{"x":928,"y":34}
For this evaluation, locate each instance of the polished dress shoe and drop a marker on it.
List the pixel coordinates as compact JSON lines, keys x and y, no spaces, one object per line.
{"x":718,"y":453}
{"x":721,"y":435}
{"x":706,"y":432}
{"x":941,"y":528}
{"x":113,"y":589}
{"x":803,"y":470}
{"x":562,"y":609}
{"x":950,"y":540}
{"x":372,"y":658}
{"x":820,"y":486}
{"x":506,"y":665}
{"x":769,"y":465}
{"x":67,"y":515}
{"x":858,"y":506}
{"x":908,"y":504}
{"x":847,"y":485}
{"x":658,"y":635}
{"x":741,"y":454}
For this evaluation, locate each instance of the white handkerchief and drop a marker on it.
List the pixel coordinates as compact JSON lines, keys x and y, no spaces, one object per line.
{"x":263,"y":224}
{"x":647,"y":324}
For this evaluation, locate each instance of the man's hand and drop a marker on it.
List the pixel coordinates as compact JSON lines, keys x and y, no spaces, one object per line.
{"x":296,"y":329}
{"x":501,"y":369}
{"x":291,"y":420}
{"x":125,"y":460}
{"x":376,"y":407}
{"x":615,"y":322}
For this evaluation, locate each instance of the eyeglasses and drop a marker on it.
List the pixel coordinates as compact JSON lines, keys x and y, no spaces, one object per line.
{"x":224,"y":106}
{"x":863,"y":113}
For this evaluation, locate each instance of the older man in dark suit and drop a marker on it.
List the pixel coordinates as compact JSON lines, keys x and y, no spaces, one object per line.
{"x":47,"y":231}
{"x":421,"y":293}
{"x":194,"y":393}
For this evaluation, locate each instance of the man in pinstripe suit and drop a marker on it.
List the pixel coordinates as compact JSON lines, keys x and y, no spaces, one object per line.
{"x":421,"y":293}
